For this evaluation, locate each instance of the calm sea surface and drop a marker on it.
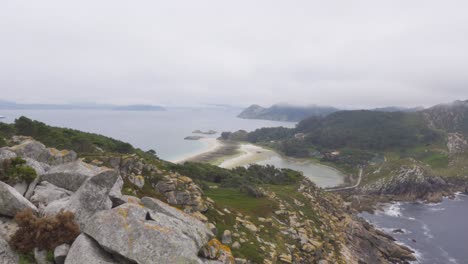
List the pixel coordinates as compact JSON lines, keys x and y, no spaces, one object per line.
{"x":163,"y":131}
{"x":438,"y":233}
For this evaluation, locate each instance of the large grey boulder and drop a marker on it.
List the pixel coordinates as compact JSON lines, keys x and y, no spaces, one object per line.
{"x":146,"y":236}
{"x":56,"y":206}
{"x":37,"y":151}
{"x":115,"y":193}
{"x":71,"y":175}
{"x":197,"y":231}
{"x":86,"y":250}
{"x":39,"y":167}
{"x":45,"y":193}
{"x":5,"y":153}
{"x":21,"y":187}
{"x":91,"y":197}
{"x":11,"y":202}
{"x":7,"y":255}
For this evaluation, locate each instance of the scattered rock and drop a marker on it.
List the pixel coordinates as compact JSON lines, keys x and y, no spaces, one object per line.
{"x":137,"y":180}
{"x":240,"y":261}
{"x":21,"y":187}
{"x":86,"y":250}
{"x":11,"y":202}
{"x":214,"y":250}
{"x":45,"y":193}
{"x":285,"y":258}
{"x":7,"y":255}
{"x":41,"y":256}
{"x":60,"y":253}
{"x":236,"y":245}
{"x":212,"y":228}
{"x":227,"y":238}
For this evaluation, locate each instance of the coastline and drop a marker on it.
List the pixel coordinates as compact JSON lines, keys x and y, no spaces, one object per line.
{"x":248,"y":154}
{"x":212,"y":145}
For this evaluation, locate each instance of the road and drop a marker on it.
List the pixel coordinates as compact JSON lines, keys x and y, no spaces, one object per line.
{"x":349,"y":187}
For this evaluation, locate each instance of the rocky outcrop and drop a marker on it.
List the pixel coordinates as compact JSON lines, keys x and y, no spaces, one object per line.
{"x":37,"y":151}
{"x":214,"y":250}
{"x":181,"y":190}
{"x":70,"y":175}
{"x":146,"y":236}
{"x":5,"y":153}
{"x":456,"y":143}
{"x":451,"y":117}
{"x":7,"y":255}
{"x":86,"y":250}
{"x":410,"y":182}
{"x":11,"y":202}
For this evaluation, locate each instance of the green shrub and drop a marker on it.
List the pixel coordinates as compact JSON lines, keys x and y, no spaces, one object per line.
{"x":15,"y":170}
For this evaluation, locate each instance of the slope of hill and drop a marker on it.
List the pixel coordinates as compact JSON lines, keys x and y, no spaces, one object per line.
{"x":412,"y":155}
{"x":451,"y":117}
{"x":285,"y":112}
{"x":246,"y":215}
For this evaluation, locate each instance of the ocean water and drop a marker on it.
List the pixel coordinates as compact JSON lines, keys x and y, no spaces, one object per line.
{"x":321,"y":175}
{"x":437,"y":232}
{"x":163,"y":131}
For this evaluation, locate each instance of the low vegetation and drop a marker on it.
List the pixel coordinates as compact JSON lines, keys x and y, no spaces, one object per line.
{"x":15,"y":170}
{"x":245,"y":179}
{"x":45,"y":233}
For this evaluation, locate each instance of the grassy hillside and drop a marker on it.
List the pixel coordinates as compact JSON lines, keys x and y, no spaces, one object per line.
{"x":63,"y":138}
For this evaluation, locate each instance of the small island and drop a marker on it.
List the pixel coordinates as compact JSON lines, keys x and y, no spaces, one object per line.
{"x":193,"y":137}
{"x":209,"y":132}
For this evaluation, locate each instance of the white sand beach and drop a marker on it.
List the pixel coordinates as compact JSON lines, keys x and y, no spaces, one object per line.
{"x":248,"y":154}
{"x":211,"y":145}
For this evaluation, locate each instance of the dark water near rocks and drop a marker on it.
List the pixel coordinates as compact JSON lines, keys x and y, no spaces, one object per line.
{"x":438,"y":233}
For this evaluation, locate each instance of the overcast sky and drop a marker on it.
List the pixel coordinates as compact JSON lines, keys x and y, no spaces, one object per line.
{"x":342,"y":53}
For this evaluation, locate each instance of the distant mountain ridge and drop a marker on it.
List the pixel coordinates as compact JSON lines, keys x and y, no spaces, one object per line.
{"x":136,"y":107}
{"x":291,"y":113}
{"x":285,"y":112}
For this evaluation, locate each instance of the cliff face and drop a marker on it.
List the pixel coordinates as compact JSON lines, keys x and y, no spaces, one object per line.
{"x":411,"y":182}
{"x":451,"y":117}
{"x":120,"y":205}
